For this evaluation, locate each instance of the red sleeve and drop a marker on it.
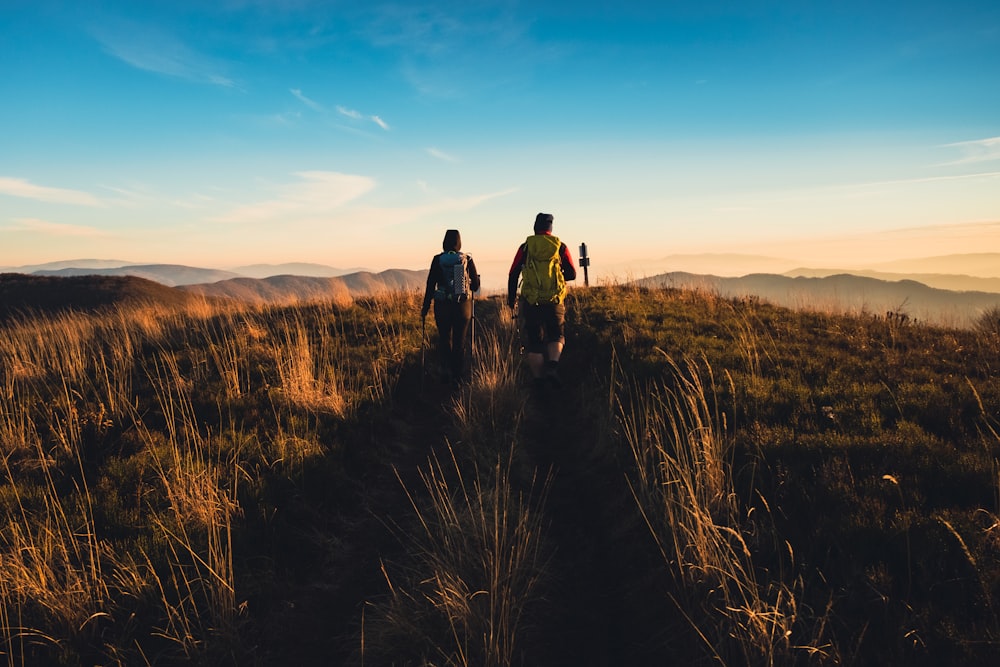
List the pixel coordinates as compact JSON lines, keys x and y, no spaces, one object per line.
{"x":514,"y":274}
{"x":518,"y":260}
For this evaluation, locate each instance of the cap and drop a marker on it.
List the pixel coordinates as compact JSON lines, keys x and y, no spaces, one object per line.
{"x":543,"y":223}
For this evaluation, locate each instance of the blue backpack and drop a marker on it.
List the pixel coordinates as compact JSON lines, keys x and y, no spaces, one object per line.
{"x":455,"y":272}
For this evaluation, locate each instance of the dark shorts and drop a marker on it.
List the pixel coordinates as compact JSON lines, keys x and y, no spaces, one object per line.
{"x":541,"y":325}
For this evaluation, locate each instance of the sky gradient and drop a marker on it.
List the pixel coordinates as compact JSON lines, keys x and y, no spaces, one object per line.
{"x":354,"y":134}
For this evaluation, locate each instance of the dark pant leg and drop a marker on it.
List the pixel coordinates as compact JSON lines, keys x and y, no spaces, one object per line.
{"x":461,"y":318}
{"x":532,"y":328}
{"x":452,"y":321}
{"x":443,"y":318}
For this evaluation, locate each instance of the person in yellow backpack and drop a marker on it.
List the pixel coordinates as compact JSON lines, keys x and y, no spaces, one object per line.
{"x":451,"y":284}
{"x":542,"y":265}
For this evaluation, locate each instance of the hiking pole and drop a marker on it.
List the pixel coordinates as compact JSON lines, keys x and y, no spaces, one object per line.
{"x":423,"y":348}
{"x":472,"y":346}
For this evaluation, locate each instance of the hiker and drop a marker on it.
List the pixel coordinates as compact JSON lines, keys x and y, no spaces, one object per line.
{"x":543,"y":264}
{"x":451,"y":282}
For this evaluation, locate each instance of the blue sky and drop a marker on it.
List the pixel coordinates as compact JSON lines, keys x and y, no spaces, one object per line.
{"x":354,"y":134}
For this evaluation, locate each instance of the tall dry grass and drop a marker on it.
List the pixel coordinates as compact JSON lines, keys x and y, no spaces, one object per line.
{"x":475,"y":561}
{"x":135,"y":386}
{"x":206,"y":410}
{"x":683,"y":486}
{"x":489,"y":408}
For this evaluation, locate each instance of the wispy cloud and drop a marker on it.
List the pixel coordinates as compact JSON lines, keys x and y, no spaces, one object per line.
{"x":154,"y":50}
{"x":450,"y":50}
{"x":441,"y":155}
{"x":350,"y":113}
{"x":283,"y":119}
{"x":47,"y":228}
{"x":472,"y":201}
{"x":930,"y":179}
{"x":354,"y":114}
{"x":18,"y":187}
{"x":386,"y":216}
{"x":312,"y":104}
{"x":981,"y":150}
{"x":316,"y":193}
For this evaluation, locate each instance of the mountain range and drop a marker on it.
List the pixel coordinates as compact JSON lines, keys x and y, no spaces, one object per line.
{"x":284,"y":289}
{"x":925,"y":294}
{"x":844,"y":293}
{"x":177,"y":274}
{"x":981,"y":265}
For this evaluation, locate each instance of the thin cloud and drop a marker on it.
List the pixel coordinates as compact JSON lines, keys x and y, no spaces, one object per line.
{"x":317,"y":193}
{"x":283,"y":119}
{"x":931,"y":179}
{"x":354,"y":114}
{"x":441,"y":155}
{"x":350,"y":113}
{"x":448,"y":51}
{"x":312,"y":104}
{"x":47,"y":228}
{"x":155,"y":51}
{"x":387,"y":217}
{"x":971,"y":229}
{"x":981,"y":150}
{"x":472,"y":201}
{"x":18,"y":187}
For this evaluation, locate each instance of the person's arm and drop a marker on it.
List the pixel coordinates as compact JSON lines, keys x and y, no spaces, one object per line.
{"x":432,"y":281}
{"x":514,"y":275}
{"x":566,"y":262}
{"x":473,"y":275}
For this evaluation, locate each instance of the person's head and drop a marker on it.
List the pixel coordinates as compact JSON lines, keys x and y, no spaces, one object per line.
{"x":452,"y":241}
{"x":543,"y":223}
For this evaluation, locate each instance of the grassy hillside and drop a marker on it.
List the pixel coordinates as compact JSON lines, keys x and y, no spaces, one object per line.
{"x":289,"y":289}
{"x":24,"y":294}
{"x":719,"y":481}
{"x":845,"y":293}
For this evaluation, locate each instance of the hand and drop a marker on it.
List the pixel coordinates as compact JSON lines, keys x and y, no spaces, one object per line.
{"x":423,"y":313}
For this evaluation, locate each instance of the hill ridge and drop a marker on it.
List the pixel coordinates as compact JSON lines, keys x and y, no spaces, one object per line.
{"x":22,"y":293}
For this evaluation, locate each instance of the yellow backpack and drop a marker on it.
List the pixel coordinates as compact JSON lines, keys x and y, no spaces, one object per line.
{"x":542,"y":278}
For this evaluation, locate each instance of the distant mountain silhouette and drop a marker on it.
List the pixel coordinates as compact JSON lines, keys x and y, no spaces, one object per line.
{"x":67,"y":264}
{"x":979,"y":265}
{"x":291,"y":269}
{"x":724,"y":264}
{"x":983,"y":264}
{"x":165,"y":274}
{"x":291,"y":289}
{"x":958,"y":283}
{"x":25,"y":294}
{"x":844,"y":293}
{"x":946,"y":299}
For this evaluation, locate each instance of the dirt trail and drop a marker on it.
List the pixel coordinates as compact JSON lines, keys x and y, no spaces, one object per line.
{"x":598,"y":606}
{"x":605,"y":610}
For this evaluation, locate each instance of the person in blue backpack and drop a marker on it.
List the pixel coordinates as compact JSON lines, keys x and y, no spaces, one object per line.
{"x":451,"y":284}
{"x":542,"y":265}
